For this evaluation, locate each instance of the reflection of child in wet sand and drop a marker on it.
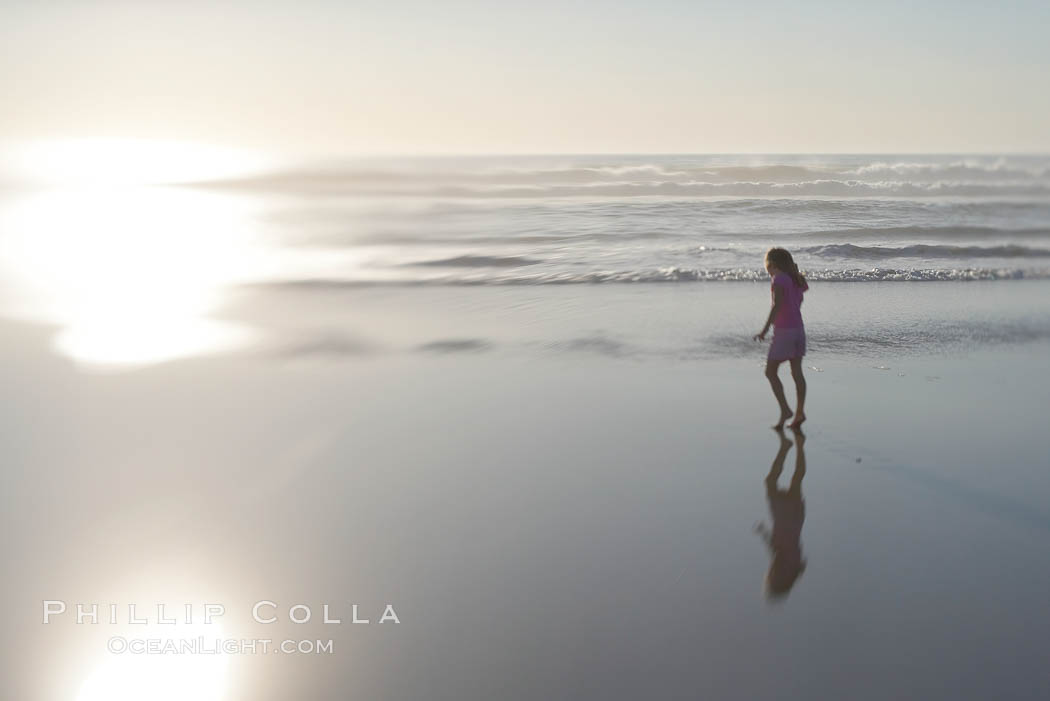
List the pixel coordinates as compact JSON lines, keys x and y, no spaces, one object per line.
{"x":788,"y":511}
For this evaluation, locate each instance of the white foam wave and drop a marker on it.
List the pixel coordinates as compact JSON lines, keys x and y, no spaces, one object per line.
{"x":678,"y":274}
{"x":669,"y":176}
{"x":959,"y":170}
{"x":646,"y":169}
{"x":811,"y":188}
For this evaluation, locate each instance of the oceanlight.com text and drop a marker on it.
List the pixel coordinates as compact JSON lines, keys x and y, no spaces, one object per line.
{"x":201,"y":645}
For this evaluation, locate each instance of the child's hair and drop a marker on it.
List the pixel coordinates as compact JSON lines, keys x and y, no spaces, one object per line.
{"x":783,"y":260}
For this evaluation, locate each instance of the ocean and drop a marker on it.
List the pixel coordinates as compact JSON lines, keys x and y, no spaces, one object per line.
{"x":595,"y":219}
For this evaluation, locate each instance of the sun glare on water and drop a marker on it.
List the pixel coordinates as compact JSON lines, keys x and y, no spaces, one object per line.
{"x":131,"y":273}
{"x":167,"y":676}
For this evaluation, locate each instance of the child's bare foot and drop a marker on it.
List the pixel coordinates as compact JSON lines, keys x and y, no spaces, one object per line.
{"x":798,"y":420}
{"x":785,"y":414}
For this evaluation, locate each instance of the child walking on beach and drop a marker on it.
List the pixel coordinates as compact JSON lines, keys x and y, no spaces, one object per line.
{"x":789,"y":335}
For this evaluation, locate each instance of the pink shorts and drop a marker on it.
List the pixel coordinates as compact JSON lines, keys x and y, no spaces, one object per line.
{"x":787,"y":343}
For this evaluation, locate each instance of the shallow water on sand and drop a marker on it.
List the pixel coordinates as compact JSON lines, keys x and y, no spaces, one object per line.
{"x":687,"y":322}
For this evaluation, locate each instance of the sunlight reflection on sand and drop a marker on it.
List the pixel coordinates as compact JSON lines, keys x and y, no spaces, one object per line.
{"x":129,"y":274}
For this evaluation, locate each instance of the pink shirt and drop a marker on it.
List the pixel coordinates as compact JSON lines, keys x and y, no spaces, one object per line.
{"x":790,"y":314}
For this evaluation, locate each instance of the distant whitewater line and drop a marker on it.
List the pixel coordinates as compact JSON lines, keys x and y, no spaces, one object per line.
{"x":424,"y":187}
{"x":775,"y":172}
{"x":679,"y":275}
{"x":811,"y":188}
{"x":681,"y":176}
{"x":591,"y":169}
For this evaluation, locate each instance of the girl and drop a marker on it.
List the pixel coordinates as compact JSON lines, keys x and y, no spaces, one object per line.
{"x":789,"y":335}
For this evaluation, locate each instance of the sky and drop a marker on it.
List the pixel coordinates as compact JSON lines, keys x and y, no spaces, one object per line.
{"x":326,"y":78}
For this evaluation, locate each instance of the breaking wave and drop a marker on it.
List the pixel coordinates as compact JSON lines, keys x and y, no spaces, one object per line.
{"x":811,"y":188}
{"x":671,"y":176}
{"x":682,"y":275}
{"x":663,"y":188}
{"x":962,"y":170}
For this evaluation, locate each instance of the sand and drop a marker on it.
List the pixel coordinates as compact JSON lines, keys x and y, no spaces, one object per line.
{"x":556,"y":489}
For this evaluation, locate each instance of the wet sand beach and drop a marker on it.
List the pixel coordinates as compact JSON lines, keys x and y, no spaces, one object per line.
{"x":558,"y":500}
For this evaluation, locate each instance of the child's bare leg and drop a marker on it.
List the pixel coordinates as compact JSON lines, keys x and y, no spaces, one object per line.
{"x":800,"y":392}
{"x":778,"y":392}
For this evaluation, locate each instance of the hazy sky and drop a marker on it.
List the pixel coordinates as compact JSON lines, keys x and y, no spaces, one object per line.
{"x":318,"y":77}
